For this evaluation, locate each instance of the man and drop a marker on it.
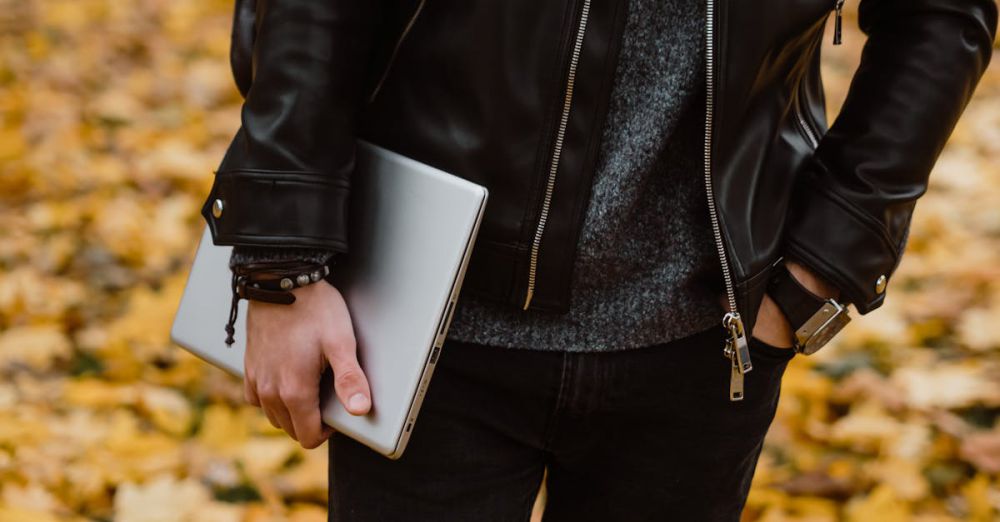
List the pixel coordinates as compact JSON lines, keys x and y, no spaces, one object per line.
{"x":668,"y":211}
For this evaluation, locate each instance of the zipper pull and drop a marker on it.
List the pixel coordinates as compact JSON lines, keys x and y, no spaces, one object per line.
{"x":737,"y":343}
{"x":738,"y":351}
{"x":837,"y":21}
{"x":735,"y":382}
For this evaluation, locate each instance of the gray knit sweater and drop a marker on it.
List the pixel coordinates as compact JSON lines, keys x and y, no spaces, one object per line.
{"x":646,"y":271}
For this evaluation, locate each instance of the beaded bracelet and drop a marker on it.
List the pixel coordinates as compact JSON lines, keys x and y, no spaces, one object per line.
{"x":271,"y":282}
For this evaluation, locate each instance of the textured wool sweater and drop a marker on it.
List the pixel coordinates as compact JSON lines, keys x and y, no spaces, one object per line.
{"x":646,"y":266}
{"x":646,"y":270}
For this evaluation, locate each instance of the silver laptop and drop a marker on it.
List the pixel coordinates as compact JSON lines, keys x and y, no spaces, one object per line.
{"x":412,"y":228}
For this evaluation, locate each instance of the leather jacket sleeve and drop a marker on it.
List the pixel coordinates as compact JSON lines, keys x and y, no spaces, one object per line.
{"x":850,"y":214}
{"x":285,"y":178}
{"x":243,"y":255}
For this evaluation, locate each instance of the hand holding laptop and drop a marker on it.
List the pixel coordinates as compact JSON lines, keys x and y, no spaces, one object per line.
{"x":412,"y":229}
{"x":289,"y":347}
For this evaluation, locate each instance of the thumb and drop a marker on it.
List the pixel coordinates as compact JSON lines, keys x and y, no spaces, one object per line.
{"x":349,"y":381}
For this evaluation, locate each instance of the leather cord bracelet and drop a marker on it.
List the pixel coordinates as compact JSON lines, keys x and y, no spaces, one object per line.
{"x":271,"y":282}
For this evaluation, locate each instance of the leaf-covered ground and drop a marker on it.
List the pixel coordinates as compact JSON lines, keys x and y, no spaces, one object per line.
{"x":113,"y":115}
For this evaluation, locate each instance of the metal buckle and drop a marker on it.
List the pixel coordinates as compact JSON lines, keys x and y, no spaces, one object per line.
{"x":821,"y":327}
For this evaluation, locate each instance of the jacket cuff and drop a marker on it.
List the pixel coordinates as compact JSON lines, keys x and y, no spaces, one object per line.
{"x":272,"y":208}
{"x":242,"y":255}
{"x":840,"y":243}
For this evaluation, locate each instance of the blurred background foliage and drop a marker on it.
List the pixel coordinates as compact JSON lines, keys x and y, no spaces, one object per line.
{"x":114,"y":114}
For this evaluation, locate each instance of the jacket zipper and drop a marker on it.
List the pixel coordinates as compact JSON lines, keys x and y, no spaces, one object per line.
{"x":803,"y":124}
{"x":395,"y":50}
{"x":736,"y":347}
{"x":800,"y":107}
{"x":556,"y":152}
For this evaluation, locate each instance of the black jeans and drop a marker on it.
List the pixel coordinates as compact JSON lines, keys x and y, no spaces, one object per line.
{"x":641,"y":434}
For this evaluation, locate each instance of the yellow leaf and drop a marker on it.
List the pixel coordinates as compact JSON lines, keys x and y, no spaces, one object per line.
{"x":977,"y":493}
{"x":14,"y":514}
{"x":905,"y":477}
{"x":34,"y":346}
{"x":307,"y":513}
{"x":96,"y":393}
{"x":308,"y":478}
{"x":880,"y":505}
{"x":263,"y":456}
{"x":167,"y":408}
{"x":12,"y":145}
{"x":222,"y":428}
{"x":866,"y":428}
{"x":164,"y":498}
{"x":948,"y":385}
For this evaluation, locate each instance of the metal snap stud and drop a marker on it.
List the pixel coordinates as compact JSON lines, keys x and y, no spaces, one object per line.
{"x":880,"y":284}
{"x":302,"y":279}
{"x":217,"y":208}
{"x":286,"y":283}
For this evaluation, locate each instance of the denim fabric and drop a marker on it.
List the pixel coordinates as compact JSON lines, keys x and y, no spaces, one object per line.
{"x":642,"y":434}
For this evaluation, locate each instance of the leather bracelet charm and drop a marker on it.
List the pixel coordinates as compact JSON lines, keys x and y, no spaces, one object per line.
{"x":276,"y":286}
{"x":271,"y":282}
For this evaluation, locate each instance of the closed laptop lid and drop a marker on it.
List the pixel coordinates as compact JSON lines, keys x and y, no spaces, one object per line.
{"x":411,"y":230}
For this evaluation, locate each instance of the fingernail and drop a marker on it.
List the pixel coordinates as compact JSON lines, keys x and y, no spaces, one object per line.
{"x":358,"y":402}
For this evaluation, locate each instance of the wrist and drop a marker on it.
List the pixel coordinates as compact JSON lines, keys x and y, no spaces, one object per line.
{"x":272,"y":282}
{"x":808,"y":302}
{"x":772,"y":326}
{"x":812,"y":281}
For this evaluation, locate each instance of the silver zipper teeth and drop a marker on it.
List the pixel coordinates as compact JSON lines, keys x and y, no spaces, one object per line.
{"x":736,"y":347}
{"x":556,"y":152}
{"x":395,"y":49}
{"x":805,"y":126}
{"x":709,"y":111}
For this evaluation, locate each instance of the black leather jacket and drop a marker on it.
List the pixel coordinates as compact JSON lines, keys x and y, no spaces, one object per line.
{"x":513,"y":94}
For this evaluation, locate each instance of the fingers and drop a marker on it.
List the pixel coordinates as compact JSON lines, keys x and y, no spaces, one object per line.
{"x":270,"y":394}
{"x":250,"y":391}
{"x":349,"y":380}
{"x":305,"y":414}
{"x":294,"y":409}
{"x":272,"y":400}
{"x":285,"y":361}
